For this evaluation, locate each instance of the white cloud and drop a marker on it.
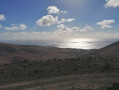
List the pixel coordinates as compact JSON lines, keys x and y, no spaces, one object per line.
{"x":54,"y":10}
{"x":47,"y":20}
{"x":106,"y":26}
{"x":112,"y":3}
{"x":2,"y":17}
{"x":22,"y":26}
{"x":16,"y":27}
{"x":106,"y":23}
{"x":87,"y":28}
{"x":66,"y":20}
{"x":62,"y":21}
{"x":75,"y":28}
{"x":64,"y":11}
{"x":11,"y":28}
{"x":70,"y":20}
{"x":62,"y":28}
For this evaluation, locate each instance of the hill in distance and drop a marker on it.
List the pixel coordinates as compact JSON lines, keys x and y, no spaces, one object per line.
{"x":110,"y":51}
{"x":10,"y":53}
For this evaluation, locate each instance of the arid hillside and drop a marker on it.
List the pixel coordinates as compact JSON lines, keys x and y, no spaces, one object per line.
{"x":41,"y":68}
{"x":110,"y":51}
{"x":10,"y":53}
{"x":68,"y":74}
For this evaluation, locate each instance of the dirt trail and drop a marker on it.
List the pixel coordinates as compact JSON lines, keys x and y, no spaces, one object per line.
{"x":67,"y":82}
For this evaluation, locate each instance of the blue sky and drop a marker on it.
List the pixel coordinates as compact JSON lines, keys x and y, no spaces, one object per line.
{"x":58,"y":18}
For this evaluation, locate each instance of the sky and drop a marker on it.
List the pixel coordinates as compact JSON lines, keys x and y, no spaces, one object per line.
{"x":83,"y":24}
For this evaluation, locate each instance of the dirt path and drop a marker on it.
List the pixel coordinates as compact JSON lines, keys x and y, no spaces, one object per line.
{"x":66,"y":82}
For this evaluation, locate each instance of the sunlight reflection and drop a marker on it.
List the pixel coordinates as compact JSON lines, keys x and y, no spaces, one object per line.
{"x":79,"y":43}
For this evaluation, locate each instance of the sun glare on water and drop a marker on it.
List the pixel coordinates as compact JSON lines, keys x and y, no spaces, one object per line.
{"x":78,"y":43}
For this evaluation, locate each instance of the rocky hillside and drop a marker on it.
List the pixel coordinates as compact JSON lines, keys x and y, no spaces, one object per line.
{"x":110,"y":51}
{"x":10,"y":53}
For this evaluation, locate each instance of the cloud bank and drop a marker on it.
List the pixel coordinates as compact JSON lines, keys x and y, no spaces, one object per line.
{"x":64,"y":29}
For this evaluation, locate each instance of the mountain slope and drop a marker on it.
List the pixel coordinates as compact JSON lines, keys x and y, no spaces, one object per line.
{"x":10,"y":53}
{"x":110,"y":51}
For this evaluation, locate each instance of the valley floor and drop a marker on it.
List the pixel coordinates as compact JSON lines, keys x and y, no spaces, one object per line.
{"x":70,"y":82}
